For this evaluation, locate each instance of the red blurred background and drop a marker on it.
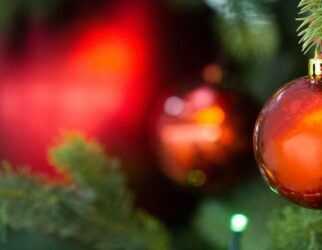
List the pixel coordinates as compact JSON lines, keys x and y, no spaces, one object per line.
{"x":99,"y":68}
{"x":94,"y":76}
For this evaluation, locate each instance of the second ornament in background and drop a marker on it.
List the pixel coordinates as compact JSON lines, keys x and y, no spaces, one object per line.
{"x":204,"y":137}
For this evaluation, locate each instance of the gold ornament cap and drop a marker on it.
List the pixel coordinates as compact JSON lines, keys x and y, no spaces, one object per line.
{"x":315,"y":68}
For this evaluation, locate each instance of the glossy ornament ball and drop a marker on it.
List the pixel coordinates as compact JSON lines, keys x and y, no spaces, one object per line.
{"x":288,"y":142}
{"x":203,"y":137}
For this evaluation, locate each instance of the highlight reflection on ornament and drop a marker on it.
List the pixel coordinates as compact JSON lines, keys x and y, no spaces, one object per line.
{"x":201,"y":136}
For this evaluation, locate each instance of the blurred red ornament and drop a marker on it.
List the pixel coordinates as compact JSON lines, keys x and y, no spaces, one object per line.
{"x":288,"y":142}
{"x":84,"y":79}
{"x":204,"y":138}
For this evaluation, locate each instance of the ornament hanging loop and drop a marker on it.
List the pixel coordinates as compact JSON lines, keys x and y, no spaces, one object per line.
{"x":315,"y":67}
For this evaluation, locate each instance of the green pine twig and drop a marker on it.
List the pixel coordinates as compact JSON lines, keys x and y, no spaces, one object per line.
{"x":95,"y":210}
{"x":310,"y":29}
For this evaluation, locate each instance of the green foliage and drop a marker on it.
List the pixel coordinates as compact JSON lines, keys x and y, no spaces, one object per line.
{"x":39,"y":8}
{"x":95,"y":209}
{"x":247,"y":31}
{"x":253,"y":199}
{"x":245,"y":27}
{"x":310,"y":28}
{"x":296,"y":229}
{"x":28,"y":240}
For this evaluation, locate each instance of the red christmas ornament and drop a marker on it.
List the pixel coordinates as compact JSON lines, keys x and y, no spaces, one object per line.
{"x":203,"y":138}
{"x":80,"y":81}
{"x":288,"y":139}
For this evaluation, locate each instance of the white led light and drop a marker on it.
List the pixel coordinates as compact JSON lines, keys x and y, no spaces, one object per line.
{"x":238,"y":222}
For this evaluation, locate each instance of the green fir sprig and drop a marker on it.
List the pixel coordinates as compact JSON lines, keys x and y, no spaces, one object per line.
{"x":95,"y":209}
{"x":310,"y":29}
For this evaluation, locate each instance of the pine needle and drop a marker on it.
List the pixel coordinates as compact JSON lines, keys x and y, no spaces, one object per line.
{"x":311,"y":27}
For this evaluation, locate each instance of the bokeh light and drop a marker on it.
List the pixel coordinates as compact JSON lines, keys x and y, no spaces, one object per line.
{"x":199,"y":135}
{"x":238,"y":223}
{"x":174,"y":105}
{"x":212,"y":73}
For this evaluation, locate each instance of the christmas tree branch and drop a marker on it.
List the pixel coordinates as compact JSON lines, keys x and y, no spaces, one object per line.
{"x":96,"y":209}
{"x":310,"y":29}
